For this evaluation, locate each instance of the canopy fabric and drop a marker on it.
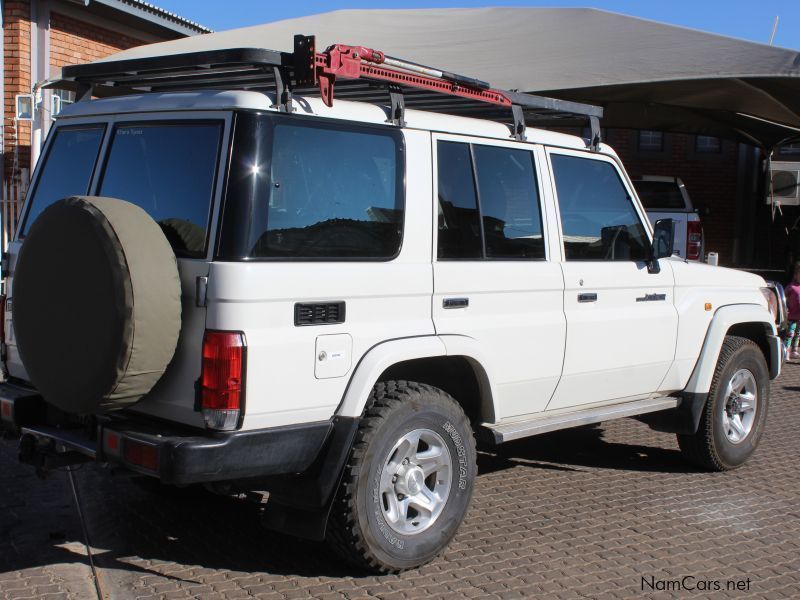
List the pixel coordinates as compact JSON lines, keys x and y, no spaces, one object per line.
{"x":646,"y":74}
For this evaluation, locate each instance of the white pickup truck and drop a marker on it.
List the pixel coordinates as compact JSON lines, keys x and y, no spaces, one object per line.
{"x":667,"y":198}
{"x":217,"y":283}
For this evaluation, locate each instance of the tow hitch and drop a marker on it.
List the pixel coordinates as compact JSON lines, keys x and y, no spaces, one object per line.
{"x":50,"y":448}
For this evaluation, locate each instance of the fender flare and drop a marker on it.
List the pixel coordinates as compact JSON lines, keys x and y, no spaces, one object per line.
{"x":724,"y":318}
{"x":379,"y":358}
{"x":384,"y":355}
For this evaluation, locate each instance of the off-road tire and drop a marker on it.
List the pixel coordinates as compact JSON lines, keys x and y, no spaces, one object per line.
{"x":356,"y":529}
{"x":709,"y":447}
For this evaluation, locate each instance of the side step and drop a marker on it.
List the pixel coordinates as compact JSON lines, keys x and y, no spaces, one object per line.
{"x":544,"y":423}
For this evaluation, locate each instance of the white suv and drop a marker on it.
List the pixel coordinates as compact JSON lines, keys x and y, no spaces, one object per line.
{"x":264,"y":292}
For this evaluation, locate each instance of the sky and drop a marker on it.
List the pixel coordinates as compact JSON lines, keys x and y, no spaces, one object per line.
{"x":746,"y":19}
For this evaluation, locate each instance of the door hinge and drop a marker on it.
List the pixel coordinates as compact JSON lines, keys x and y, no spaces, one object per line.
{"x":201,"y":291}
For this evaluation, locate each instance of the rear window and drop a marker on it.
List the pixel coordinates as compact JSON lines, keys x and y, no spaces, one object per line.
{"x":333,"y":194}
{"x":168,"y":169}
{"x":68,"y":168}
{"x":660,"y":195}
{"x":310,"y":190}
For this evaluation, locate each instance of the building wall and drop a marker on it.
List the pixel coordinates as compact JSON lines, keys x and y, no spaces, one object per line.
{"x":711,"y":180}
{"x":73,"y":42}
{"x":17,"y":80}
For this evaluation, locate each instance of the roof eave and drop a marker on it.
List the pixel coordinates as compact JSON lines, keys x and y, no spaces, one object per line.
{"x":154,"y":15}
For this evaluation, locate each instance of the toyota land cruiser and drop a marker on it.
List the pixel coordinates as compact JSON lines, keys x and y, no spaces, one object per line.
{"x":221,"y":278}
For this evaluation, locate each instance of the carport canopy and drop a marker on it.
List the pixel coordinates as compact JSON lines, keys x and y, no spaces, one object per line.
{"x":647,"y":75}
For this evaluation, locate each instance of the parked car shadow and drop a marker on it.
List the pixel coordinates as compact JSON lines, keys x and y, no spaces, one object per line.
{"x":195,"y":527}
{"x":139,"y":532}
{"x":573,"y":449}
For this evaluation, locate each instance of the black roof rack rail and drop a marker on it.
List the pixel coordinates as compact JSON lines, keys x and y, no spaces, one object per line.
{"x":354,"y":72}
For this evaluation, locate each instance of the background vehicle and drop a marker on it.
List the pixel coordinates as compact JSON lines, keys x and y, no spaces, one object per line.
{"x":272,"y":292}
{"x":667,"y":198}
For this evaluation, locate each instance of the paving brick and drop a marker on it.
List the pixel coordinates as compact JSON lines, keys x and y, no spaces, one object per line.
{"x":577,"y":514}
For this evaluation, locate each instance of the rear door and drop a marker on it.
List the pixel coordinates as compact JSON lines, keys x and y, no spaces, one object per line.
{"x":494,"y":280}
{"x":71,"y":154}
{"x":170,"y":167}
{"x":621,"y":320}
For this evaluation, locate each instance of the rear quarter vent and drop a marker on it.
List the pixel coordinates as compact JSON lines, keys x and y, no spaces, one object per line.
{"x":322,"y":313}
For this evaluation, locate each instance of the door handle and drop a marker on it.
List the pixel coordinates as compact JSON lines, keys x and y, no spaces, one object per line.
{"x":590,"y":297}
{"x":455,"y":303}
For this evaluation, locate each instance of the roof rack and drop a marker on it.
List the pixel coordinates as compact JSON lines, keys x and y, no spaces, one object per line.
{"x":349,"y":72}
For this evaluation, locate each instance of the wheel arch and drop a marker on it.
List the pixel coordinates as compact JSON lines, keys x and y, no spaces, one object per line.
{"x":460,"y":376}
{"x":750,"y":321}
{"x":434,"y":360}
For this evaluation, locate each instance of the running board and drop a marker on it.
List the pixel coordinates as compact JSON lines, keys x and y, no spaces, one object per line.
{"x":544,"y":423}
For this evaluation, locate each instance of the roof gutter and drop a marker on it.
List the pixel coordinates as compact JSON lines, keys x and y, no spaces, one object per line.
{"x":153,"y":14}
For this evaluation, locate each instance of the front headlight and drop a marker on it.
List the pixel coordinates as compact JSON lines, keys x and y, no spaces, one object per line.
{"x":772,"y":303}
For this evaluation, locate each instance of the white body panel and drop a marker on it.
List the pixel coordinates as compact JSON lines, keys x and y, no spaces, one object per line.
{"x":524,"y":346}
{"x":695,"y":286}
{"x":618,"y":346}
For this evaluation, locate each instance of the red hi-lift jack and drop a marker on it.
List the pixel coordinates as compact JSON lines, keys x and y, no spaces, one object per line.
{"x":360,"y":62}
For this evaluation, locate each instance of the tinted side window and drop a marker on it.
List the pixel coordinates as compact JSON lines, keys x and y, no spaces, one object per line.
{"x":168,"y":169}
{"x":660,"y":194}
{"x":597,"y":215}
{"x":459,"y":221}
{"x":509,"y":199}
{"x":68,"y":168}
{"x":335,"y":192}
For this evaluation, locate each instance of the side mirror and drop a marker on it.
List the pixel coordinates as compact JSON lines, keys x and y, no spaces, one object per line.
{"x":663,"y":243}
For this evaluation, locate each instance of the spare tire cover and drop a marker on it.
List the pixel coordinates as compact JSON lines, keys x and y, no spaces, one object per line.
{"x":97,"y":304}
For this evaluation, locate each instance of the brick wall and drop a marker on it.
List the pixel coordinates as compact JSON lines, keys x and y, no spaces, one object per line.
{"x":710,"y":179}
{"x":17,"y":62}
{"x":73,"y":41}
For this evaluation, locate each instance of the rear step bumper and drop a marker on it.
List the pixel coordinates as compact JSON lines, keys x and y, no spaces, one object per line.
{"x":176,"y":456}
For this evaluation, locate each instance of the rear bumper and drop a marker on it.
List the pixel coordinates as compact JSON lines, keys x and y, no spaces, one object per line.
{"x":174,"y":455}
{"x":185,"y":458}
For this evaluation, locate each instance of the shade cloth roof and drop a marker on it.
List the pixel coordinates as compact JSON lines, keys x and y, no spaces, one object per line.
{"x":646,"y":74}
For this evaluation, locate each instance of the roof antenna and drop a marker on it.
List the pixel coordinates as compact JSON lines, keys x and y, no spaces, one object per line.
{"x":774,"y":29}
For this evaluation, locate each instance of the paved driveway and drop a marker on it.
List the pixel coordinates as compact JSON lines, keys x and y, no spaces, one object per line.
{"x":611,"y":512}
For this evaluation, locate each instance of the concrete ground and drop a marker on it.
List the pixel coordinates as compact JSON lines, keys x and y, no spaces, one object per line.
{"x":610,"y":512}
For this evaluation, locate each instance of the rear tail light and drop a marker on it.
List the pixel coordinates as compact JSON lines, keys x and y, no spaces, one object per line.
{"x":222,"y":379}
{"x":694,"y":240}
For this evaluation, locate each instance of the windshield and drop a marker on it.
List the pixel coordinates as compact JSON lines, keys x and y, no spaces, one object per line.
{"x":166,"y":168}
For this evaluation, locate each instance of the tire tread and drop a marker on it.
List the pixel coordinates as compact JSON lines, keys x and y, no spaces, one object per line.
{"x":343,"y":535}
{"x":699,"y":448}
